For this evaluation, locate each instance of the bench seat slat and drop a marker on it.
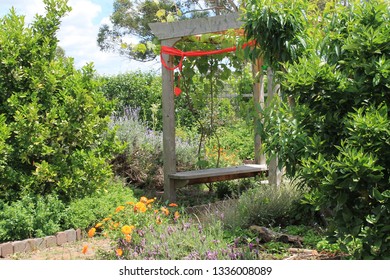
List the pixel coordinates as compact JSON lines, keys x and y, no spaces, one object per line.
{"x":219,"y":174}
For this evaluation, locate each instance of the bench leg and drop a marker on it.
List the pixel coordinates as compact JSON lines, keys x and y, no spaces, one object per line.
{"x":170,"y":190}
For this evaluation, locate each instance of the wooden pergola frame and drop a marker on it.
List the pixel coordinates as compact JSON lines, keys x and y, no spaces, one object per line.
{"x":169,"y":34}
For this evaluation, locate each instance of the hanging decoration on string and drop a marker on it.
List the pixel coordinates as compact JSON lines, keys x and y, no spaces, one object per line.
{"x":182,"y":54}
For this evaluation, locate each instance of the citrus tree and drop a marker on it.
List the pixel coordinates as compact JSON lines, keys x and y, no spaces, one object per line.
{"x":53,"y":135}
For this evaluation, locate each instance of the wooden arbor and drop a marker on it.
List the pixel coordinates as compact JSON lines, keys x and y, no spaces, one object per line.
{"x":169,"y":34}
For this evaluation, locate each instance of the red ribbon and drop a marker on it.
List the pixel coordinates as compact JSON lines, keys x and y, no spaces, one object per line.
{"x":176,"y":52}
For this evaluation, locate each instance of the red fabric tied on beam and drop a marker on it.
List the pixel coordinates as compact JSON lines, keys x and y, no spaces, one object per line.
{"x":175,"y":52}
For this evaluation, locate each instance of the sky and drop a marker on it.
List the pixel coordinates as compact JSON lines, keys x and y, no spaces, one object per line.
{"x":78,"y":33}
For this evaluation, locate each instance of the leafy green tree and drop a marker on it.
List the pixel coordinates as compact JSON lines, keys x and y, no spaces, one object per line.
{"x":54,"y":134}
{"x":130,"y":19}
{"x":138,"y":91}
{"x":336,"y":138}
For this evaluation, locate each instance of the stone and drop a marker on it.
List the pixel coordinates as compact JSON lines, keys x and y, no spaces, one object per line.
{"x":61,"y":238}
{"x":20,"y":246}
{"x":79,"y":234}
{"x":70,"y":235}
{"x":6,"y":249}
{"x":50,"y":241}
{"x":37,"y":244}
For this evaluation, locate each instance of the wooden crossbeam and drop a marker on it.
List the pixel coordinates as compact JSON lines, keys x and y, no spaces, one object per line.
{"x":169,"y":30}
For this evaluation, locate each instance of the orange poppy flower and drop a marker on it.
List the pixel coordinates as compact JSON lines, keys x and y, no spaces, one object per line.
{"x":98,"y":225}
{"x":127,"y":229}
{"x":150,"y":201}
{"x":140,"y":206}
{"x":85,"y":249}
{"x":119,"y":252}
{"x":119,"y":208}
{"x":91,"y":232}
{"x":173,"y":205}
{"x":128,"y":237}
{"x":165,"y":211}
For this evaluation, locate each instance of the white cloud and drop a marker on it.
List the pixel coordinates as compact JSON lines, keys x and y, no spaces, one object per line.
{"x":27,"y":8}
{"x":78,"y":34}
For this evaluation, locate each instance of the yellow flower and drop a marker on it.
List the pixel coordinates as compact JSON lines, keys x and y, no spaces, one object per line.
{"x":91,"y":232}
{"x":116,"y":225}
{"x":127,"y":229}
{"x":119,"y":252}
{"x":143,"y":199}
{"x":165,"y":211}
{"x":98,"y":225}
{"x":119,"y":208}
{"x":172,"y":205}
{"x":106,"y":219}
{"x":176,"y":215}
{"x":130,"y":203}
{"x":85,"y":249}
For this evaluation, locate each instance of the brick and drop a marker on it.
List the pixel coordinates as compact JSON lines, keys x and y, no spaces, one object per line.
{"x":37,"y":244}
{"x":6,"y":249}
{"x":28,"y":247}
{"x":79,"y":234}
{"x":70,"y":235}
{"x":20,"y":246}
{"x":61,"y":238}
{"x":50,"y":241}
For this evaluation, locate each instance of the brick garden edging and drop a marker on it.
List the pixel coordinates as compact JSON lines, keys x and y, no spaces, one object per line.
{"x":32,"y":244}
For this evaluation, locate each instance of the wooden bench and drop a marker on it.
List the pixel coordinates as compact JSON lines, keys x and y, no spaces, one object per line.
{"x":217,"y":174}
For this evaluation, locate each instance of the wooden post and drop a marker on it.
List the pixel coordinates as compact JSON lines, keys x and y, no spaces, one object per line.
{"x":258,"y":98}
{"x":274,"y":173}
{"x":168,"y":117}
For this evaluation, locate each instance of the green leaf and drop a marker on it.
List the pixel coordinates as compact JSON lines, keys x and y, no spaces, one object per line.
{"x":372,"y":219}
{"x":377,"y":195}
{"x":386,"y":193}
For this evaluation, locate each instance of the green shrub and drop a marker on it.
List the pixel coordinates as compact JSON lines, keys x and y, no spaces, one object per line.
{"x":263,"y":205}
{"x":85,"y":212}
{"x":53,"y":136}
{"x":31,"y":216}
{"x":336,"y":139}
